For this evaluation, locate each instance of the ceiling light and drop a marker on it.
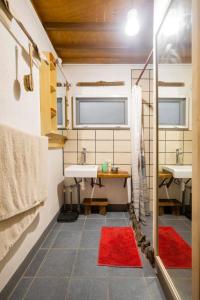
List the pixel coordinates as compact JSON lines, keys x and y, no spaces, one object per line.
{"x":173,"y":23}
{"x":132,"y":24}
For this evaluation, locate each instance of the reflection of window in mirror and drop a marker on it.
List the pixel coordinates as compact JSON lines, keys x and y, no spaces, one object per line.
{"x":173,"y":112}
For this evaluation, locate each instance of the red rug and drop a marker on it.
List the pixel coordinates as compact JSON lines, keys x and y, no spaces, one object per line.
{"x":173,"y":250}
{"x":118,"y":248}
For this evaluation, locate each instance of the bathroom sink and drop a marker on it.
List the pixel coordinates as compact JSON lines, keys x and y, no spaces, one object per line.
{"x":81,"y":171}
{"x":179,"y":171}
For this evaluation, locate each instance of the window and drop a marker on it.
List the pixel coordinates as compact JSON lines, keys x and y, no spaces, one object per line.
{"x":101,"y":112}
{"x":173,"y":112}
{"x":61,"y":111}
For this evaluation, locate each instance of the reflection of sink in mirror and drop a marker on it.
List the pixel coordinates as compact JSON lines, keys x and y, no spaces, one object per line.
{"x":179,"y":171}
{"x":81,"y":171}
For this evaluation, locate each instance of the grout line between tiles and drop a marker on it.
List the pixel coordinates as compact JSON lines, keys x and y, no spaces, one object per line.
{"x":75,"y":258}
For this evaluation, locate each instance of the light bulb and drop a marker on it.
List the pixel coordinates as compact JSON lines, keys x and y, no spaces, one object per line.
{"x":132,"y":25}
{"x":173,"y":24}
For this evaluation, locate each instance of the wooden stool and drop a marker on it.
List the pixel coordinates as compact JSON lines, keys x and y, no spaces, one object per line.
{"x":102,"y":203}
{"x":173,"y":203}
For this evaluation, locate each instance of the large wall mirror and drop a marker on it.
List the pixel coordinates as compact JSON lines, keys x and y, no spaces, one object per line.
{"x":174,"y":100}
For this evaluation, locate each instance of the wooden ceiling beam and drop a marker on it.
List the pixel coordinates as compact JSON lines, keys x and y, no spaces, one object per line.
{"x":86,"y":49}
{"x":104,"y":60}
{"x":82,"y":26}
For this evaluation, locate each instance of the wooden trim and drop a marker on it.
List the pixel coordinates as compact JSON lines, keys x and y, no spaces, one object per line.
{"x":171,"y":84}
{"x":82,"y":26}
{"x":101,"y":83}
{"x":195,"y":150}
{"x":166,"y":281}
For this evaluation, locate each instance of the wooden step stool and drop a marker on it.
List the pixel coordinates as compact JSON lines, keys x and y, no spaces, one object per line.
{"x":102,"y":203}
{"x":173,"y":203}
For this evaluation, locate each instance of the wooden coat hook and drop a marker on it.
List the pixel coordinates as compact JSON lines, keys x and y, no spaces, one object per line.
{"x":28,"y":79}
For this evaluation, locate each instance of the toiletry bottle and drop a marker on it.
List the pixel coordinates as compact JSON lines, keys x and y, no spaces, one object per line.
{"x":104,"y":167}
{"x":109,"y":166}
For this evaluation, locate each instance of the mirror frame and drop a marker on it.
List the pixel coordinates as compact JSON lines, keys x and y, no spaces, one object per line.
{"x":163,"y":275}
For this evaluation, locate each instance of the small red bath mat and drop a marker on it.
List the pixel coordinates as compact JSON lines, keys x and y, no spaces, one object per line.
{"x":173,"y":250}
{"x":118,"y":248}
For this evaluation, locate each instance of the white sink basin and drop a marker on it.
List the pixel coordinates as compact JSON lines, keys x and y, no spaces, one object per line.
{"x":179,"y":171}
{"x":81,"y":171}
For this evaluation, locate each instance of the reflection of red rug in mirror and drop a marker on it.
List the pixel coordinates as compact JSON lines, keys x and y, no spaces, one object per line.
{"x":173,"y":250}
{"x":118,"y":248}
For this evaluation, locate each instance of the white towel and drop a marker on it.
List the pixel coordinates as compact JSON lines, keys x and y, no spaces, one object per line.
{"x":23,"y":169}
{"x":11,"y":229}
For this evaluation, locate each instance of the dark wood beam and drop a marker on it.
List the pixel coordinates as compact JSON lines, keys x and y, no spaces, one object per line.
{"x":82,"y":26}
{"x":104,"y":60}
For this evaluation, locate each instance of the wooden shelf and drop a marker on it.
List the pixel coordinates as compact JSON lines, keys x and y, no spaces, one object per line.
{"x":119,"y":174}
{"x":53,"y":112}
{"x":56,"y":140}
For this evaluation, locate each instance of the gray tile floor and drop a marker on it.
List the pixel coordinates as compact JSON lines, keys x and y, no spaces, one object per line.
{"x":182,"y":278}
{"x":65,"y":267}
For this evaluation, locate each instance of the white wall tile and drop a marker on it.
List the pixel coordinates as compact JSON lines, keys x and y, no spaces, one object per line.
{"x":104,"y":146}
{"x":122,"y":135}
{"x":122,"y":146}
{"x":104,"y":157}
{"x":71,"y":134}
{"x":188,"y":135}
{"x":174,"y":135}
{"x":146,"y":121}
{"x":170,"y":158}
{"x":90,"y":158}
{"x":161,"y":135}
{"x":161,"y":158}
{"x":187,"y":158}
{"x":104,"y":135}
{"x":89,"y":145}
{"x":171,"y":146}
{"x":187,"y":146}
{"x":70,"y":146}
{"x":122,"y":158}
{"x":86,"y":134}
{"x":70,"y":158}
{"x":161,"y":146}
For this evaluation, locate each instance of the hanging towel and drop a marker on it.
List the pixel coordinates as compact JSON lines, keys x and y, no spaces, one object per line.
{"x":12,"y":229}
{"x":23,"y":169}
{"x":139,"y":182}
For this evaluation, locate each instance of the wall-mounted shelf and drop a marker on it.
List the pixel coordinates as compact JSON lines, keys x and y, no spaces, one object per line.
{"x":56,"y":140}
{"x":48,"y":102}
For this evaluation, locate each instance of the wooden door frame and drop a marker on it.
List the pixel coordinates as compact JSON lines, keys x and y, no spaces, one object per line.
{"x":195,"y":149}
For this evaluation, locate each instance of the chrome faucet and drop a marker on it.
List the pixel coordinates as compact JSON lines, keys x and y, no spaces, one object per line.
{"x":178,"y":154}
{"x":84,"y":153}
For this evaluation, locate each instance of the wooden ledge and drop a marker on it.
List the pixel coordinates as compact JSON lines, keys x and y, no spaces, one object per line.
{"x":56,"y":140}
{"x":120,"y":174}
{"x":164,"y":175}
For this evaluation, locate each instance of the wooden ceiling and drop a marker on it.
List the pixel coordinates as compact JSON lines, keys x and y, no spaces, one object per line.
{"x":92,"y":31}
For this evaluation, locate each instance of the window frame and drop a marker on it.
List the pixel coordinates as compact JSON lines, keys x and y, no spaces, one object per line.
{"x":61,"y":93}
{"x":100,"y":126}
{"x":186,"y":125}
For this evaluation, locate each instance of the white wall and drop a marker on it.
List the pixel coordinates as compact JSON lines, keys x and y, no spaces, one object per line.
{"x":24,"y":113}
{"x":76,"y":73}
